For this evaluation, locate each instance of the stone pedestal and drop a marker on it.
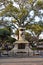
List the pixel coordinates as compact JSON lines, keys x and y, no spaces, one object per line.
{"x":24,"y":44}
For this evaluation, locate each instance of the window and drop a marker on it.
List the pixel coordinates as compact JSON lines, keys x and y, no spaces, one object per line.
{"x":21,"y":46}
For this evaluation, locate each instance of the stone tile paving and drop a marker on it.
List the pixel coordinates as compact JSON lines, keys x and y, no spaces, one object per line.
{"x":21,"y":63}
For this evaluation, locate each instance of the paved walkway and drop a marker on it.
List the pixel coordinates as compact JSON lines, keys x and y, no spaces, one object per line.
{"x":21,"y":61}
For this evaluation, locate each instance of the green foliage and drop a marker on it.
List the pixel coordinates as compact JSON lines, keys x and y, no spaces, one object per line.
{"x":5,"y":39}
{"x":37,"y":28}
{"x":40,"y":3}
{"x":23,"y":14}
{"x":20,"y":14}
{"x":4,"y":31}
{"x":30,"y":1}
{"x":8,"y":44}
{"x":27,"y":36}
{"x":11,"y":40}
{"x":9,"y":8}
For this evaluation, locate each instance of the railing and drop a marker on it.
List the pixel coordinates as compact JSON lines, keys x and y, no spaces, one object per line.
{"x":22,"y":54}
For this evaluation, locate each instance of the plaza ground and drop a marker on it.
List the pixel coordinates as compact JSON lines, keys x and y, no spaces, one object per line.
{"x":21,"y":61}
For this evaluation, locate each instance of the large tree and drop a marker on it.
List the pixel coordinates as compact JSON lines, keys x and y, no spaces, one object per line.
{"x":21,"y":14}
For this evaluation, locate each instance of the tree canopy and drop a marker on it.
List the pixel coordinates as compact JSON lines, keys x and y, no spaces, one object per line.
{"x":26,"y":13}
